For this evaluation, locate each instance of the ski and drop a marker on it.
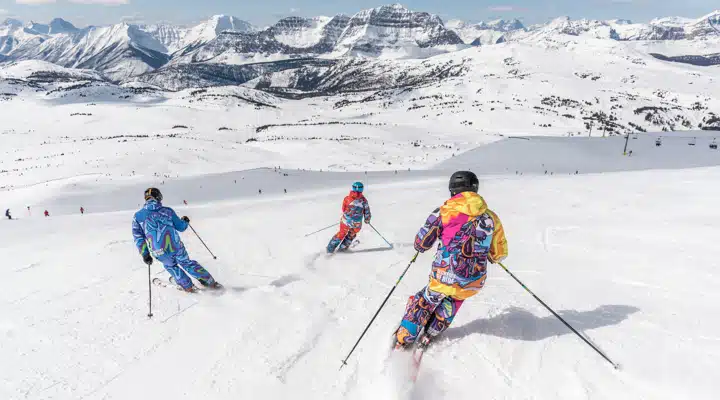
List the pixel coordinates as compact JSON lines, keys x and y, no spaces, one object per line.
{"x":346,"y":250}
{"x":417,"y":351}
{"x":198,"y":289}
{"x":171,"y":285}
{"x":417,"y":355}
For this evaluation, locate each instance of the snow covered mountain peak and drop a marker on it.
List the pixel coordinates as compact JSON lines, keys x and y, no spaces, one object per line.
{"x":394,"y":28}
{"x":672,"y":21}
{"x":210,"y":29}
{"x":56,"y":26}
{"x":484,"y":33}
{"x":59,"y":25}
{"x":11,"y":22}
{"x":503,"y":25}
{"x":301,"y":32}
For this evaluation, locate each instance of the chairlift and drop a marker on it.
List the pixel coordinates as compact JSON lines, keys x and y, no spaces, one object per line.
{"x":658,"y":142}
{"x":692,"y":141}
{"x":713,"y":145}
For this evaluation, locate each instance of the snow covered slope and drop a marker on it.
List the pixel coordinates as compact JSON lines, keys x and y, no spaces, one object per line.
{"x":75,"y":301}
{"x":172,"y":37}
{"x":119,"y":51}
{"x":483,"y":33}
{"x":13,"y":34}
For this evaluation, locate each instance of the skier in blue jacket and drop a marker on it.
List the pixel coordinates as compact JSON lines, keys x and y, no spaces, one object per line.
{"x":155,"y":230}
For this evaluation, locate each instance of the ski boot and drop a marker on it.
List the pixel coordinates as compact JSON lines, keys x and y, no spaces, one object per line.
{"x":214,"y":285}
{"x":424,"y":341}
{"x":401,"y":343}
{"x":191,"y":289}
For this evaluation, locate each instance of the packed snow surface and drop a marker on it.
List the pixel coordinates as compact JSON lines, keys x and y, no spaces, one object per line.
{"x":623,"y":256}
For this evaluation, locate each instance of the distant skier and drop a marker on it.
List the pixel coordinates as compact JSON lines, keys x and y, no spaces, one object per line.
{"x":82,"y":210}
{"x":470,"y":235}
{"x":155,"y":230}
{"x":47,"y":214}
{"x":355,"y":208}
{"x":185,"y":202}
{"x":7,"y":214}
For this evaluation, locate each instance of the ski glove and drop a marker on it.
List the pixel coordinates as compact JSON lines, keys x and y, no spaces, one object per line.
{"x":148,"y":259}
{"x":367,"y":221}
{"x":186,"y":219}
{"x":501,"y":259}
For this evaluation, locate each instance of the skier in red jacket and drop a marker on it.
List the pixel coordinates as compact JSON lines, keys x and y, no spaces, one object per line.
{"x":355,"y":208}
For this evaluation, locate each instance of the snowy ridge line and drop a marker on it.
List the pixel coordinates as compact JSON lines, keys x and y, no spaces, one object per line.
{"x":124,"y":51}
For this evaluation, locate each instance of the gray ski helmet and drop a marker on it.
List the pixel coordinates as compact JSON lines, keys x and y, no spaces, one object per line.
{"x":153,"y":194}
{"x":463,"y":181}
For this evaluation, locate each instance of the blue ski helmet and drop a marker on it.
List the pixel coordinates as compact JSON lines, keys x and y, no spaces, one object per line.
{"x":358,"y":187}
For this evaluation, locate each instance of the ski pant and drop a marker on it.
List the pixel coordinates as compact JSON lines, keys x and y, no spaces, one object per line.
{"x":176,"y":262}
{"x":433,"y":311}
{"x":343,"y":238}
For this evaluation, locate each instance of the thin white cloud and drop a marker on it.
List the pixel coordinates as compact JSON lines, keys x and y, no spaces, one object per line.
{"x":133,"y":19}
{"x":3,"y":11}
{"x":501,"y":8}
{"x":34,"y":1}
{"x":102,"y":2}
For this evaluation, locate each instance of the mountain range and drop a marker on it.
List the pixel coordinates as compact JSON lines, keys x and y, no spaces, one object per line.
{"x":238,"y":51}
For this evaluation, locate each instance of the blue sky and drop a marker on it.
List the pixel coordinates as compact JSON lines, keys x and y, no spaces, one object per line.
{"x":264,"y":12}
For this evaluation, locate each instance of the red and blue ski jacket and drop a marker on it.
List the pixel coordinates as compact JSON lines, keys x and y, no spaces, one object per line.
{"x":355,"y":207}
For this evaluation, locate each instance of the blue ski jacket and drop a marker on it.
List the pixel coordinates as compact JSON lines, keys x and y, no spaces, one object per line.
{"x":155,"y":230}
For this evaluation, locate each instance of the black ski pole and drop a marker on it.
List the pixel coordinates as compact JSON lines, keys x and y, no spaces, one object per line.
{"x":616,"y":366}
{"x":320,"y":230}
{"x":203,"y":242}
{"x":150,"y":314}
{"x":344,"y":363}
{"x":383,"y":237}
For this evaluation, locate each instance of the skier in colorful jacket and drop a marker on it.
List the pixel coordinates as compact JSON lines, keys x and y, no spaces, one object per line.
{"x":469,"y":236}
{"x":355,"y":208}
{"x":155,"y":230}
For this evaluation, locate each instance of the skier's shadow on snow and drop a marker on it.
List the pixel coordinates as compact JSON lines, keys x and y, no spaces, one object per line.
{"x":285,"y":280}
{"x":520,"y":324}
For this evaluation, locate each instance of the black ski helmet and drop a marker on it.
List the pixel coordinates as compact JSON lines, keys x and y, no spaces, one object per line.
{"x":463,"y":181}
{"x":153,"y":194}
